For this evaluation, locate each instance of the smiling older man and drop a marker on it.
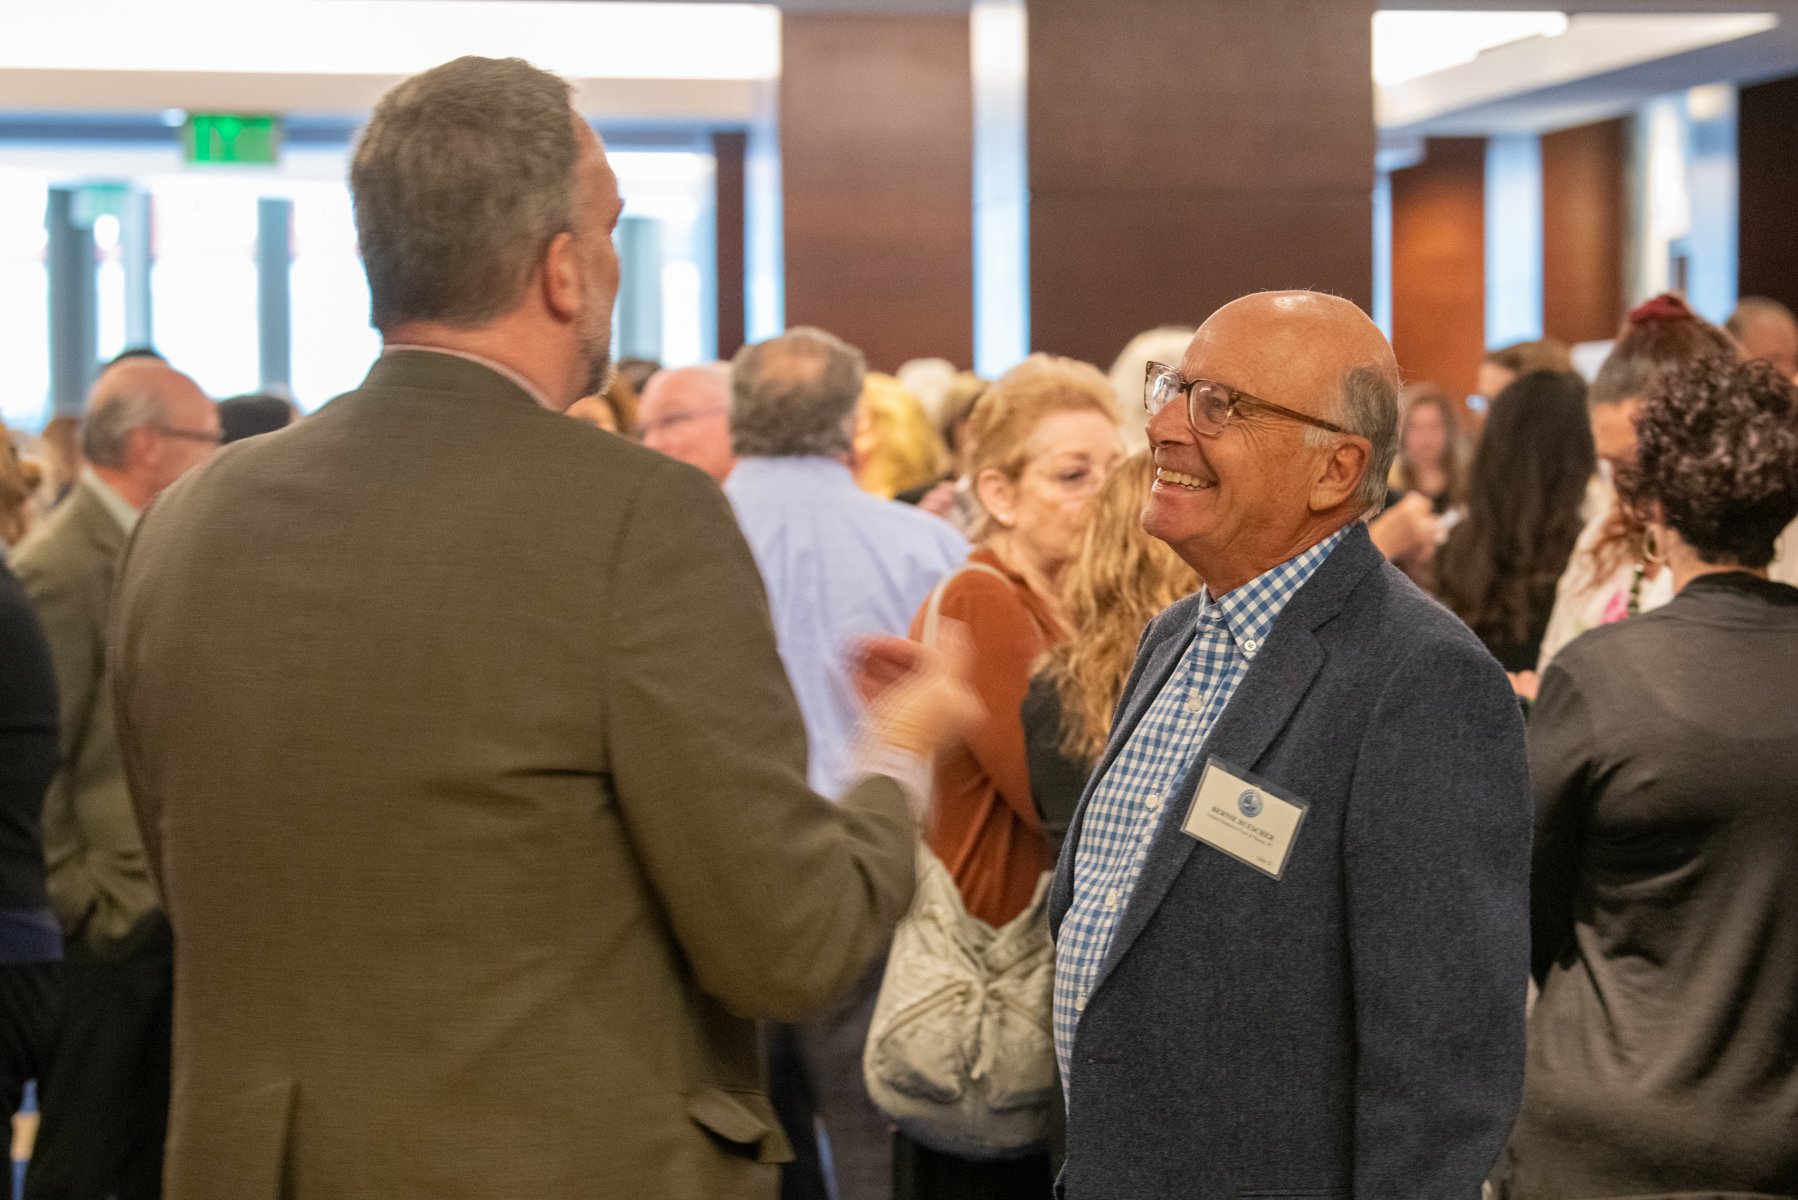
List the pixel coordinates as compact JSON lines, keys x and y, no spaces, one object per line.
{"x":1292,"y":909}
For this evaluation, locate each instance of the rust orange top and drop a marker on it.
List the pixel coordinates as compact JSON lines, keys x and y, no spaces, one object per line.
{"x":985,"y":828}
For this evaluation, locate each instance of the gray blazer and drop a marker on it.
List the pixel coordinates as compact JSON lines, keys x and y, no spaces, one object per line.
{"x":1356,"y":1027}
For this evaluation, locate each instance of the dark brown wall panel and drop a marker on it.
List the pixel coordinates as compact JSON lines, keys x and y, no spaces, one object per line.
{"x":1184,"y":154}
{"x":876,"y":134}
{"x":1584,"y":225}
{"x":1439,"y":264}
{"x":1766,"y":132}
{"x":729,"y":150}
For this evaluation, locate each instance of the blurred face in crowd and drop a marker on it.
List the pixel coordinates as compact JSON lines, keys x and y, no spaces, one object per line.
{"x":1066,"y":458}
{"x":1426,"y":435}
{"x":1491,"y":380}
{"x":685,"y":414}
{"x":1614,"y":431}
{"x":1243,"y":501}
{"x":186,"y":434}
{"x":1772,"y":339}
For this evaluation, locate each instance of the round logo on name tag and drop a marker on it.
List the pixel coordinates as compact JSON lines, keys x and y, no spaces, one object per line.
{"x":1250,"y":804}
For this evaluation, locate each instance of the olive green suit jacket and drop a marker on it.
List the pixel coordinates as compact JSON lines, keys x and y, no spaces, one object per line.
{"x":477,"y":796}
{"x":99,"y":882}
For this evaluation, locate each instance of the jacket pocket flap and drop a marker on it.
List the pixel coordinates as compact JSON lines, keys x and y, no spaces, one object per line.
{"x":741,"y":1118}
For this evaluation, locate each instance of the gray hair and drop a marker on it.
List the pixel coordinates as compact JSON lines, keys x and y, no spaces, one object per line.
{"x":123,"y":401}
{"x":461,"y":180}
{"x":794,"y":395}
{"x":1369,"y":407}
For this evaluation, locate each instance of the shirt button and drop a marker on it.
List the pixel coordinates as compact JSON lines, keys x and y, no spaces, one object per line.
{"x":1152,"y":802}
{"x":1111,"y":899}
{"x":1194,"y":702}
{"x":1251,"y":645}
{"x":1079,"y":1003}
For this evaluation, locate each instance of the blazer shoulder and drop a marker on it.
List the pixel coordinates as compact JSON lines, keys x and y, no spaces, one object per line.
{"x":79,"y":543}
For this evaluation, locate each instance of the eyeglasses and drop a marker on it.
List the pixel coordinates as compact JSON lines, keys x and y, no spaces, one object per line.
{"x":211,"y":439}
{"x":1209,"y":404}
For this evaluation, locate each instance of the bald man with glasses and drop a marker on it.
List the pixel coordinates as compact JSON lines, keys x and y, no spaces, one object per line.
{"x":105,"y":1095}
{"x":1291,"y":913}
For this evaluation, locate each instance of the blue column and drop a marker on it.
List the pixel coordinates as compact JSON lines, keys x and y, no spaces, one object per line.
{"x":1001,"y":186}
{"x":1513,"y":239}
{"x":74,"y":303}
{"x":274,"y":292}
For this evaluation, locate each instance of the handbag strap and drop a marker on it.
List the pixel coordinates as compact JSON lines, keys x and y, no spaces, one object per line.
{"x":933,"y":610}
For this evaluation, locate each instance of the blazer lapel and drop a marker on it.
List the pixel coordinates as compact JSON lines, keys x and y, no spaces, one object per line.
{"x":1263,"y":705}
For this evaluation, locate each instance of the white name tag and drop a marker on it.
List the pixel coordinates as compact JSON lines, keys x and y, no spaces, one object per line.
{"x":1244,"y":819}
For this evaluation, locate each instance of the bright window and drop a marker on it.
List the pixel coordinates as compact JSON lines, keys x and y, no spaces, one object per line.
{"x":332,"y":342}
{"x":24,"y":303}
{"x":203,"y":282}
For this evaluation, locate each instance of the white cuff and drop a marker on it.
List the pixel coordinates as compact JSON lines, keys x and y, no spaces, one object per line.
{"x":911,"y":772}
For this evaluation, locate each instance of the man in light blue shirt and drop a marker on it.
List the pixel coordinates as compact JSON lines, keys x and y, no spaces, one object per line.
{"x":838,"y":564}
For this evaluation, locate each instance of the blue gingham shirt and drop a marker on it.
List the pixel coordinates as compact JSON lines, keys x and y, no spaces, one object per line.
{"x":1137,"y":795}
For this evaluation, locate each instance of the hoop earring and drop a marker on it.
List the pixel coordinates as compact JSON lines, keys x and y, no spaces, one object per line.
{"x":1652,"y":550}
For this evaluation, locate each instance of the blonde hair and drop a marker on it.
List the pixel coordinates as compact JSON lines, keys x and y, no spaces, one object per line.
{"x":897,"y":447}
{"x":19,"y":482}
{"x":1009,"y":411}
{"x":1119,"y":579}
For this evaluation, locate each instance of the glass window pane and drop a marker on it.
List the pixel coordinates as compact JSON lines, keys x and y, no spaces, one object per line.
{"x":332,"y":342}
{"x":203,"y":282}
{"x":24,"y":302}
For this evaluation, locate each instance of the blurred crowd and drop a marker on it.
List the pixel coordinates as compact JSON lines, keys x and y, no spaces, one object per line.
{"x":1623,"y":546}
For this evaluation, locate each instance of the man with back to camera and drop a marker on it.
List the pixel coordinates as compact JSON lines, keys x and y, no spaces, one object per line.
{"x":105,"y":1094}
{"x":461,"y":745}
{"x":837,"y":562}
{"x":684,"y":412}
{"x":1291,"y":914}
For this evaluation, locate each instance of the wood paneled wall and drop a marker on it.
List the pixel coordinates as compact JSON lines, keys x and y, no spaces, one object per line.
{"x":1585,"y":221}
{"x":1439,"y":265}
{"x":1767,"y":182}
{"x":1182,"y":155}
{"x":876,"y":129}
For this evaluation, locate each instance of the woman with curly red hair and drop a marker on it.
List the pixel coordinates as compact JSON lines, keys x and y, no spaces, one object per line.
{"x":1663,"y":1053}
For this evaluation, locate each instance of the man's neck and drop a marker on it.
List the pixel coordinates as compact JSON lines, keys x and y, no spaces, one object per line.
{"x":127,"y":487}
{"x":517,"y":345}
{"x":1224,"y":578}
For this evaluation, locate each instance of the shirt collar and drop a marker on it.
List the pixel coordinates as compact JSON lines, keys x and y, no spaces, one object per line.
{"x":120,"y":508}
{"x":530,"y":389}
{"x":1248,"y":613}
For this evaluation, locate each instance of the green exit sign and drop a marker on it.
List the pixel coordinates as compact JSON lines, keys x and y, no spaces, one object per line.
{"x":231,"y":138}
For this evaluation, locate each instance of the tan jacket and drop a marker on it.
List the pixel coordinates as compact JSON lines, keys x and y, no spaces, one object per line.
{"x":99,"y":881}
{"x":478,"y":799}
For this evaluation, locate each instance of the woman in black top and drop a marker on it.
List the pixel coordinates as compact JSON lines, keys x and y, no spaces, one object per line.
{"x":1499,"y":567}
{"x":1664,"y":755}
{"x":30,"y":943}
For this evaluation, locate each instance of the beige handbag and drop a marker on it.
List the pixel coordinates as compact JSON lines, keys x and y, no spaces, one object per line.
{"x":961,"y":1050}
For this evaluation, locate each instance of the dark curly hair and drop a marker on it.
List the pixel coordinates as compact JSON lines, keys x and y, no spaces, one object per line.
{"x":1717,"y":450}
{"x":1498,"y":569}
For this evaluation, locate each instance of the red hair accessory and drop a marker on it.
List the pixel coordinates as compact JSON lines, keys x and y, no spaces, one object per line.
{"x":1668,"y":306}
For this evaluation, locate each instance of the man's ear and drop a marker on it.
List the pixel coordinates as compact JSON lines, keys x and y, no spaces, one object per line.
{"x":1339,"y":475}
{"x":562,"y":277}
{"x":143,"y":446}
